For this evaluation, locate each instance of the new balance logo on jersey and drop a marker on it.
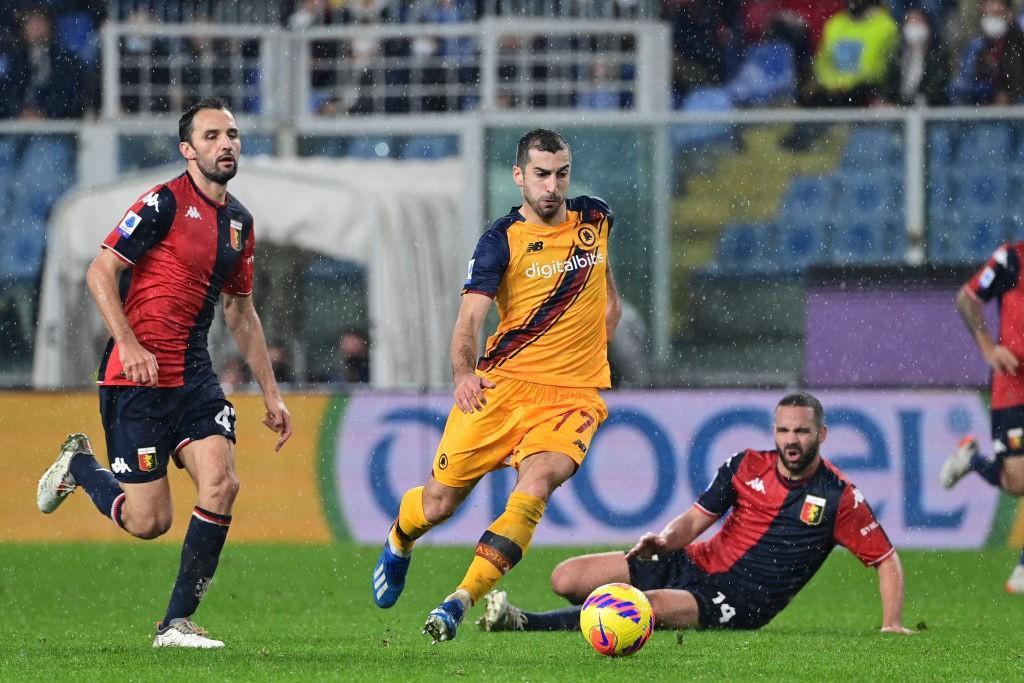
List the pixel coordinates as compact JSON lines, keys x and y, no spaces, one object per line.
{"x":152,"y":200}
{"x":193,"y":212}
{"x":533,"y":247}
{"x":119,"y":466}
{"x":756,"y":484}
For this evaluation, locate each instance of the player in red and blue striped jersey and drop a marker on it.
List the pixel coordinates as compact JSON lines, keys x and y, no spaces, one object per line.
{"x":178,"y":249}
{"x":790,"y":508}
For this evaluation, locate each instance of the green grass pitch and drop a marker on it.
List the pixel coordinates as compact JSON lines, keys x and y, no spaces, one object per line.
{"x":304,"y":612}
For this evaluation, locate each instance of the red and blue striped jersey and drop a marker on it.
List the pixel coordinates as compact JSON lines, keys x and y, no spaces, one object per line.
{"x":780,"y":532}
{"x":183,"y":250}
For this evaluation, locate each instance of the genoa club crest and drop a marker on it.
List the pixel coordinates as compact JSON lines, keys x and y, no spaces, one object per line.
{"x":813,"y":510}
{"x":147,"y":459}
{"x":236,"y":235}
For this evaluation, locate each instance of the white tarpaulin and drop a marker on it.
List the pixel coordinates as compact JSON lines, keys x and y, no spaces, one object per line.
{"x":401,"y":220}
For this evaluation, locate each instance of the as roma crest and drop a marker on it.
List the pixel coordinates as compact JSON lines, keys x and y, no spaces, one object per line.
{"x":813,"y":510}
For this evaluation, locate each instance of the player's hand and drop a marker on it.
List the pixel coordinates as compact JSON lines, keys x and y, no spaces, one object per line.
{"x":278,"y":419}
{"x":648,"y":545}
{"x":469,"y":391}
{"x":139,"y":364}
{"x":1002,"y":360}
{"x":902,"y":630}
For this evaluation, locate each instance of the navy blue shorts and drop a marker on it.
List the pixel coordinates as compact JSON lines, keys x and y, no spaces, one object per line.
{"x":146,"y":427}
{"x":719,"y":604}
{"x":1008,"y":431}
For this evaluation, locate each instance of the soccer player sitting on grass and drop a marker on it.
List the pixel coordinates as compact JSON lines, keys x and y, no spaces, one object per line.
{"x":790,"y":508}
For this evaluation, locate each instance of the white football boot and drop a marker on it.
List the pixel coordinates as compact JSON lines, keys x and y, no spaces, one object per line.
{"x":500,"y":614}
{"x":959,"y":464}
{"x":1015,"y":584}
{"x":184,"y":633}
{"x":57,"y":483}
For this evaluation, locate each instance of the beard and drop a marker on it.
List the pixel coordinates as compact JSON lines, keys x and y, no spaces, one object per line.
{"x":215,"y":175}
{"x":545,"y":211}
{"x":802,"y":463}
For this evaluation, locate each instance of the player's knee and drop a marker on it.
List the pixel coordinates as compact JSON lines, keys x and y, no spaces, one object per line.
{"x":437,"y":509}
{"x":565,"y":580}
{"x":221,"y":490}
{"x":151,"y":527}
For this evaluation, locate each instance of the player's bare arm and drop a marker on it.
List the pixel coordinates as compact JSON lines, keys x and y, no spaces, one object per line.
{"x":102,"y":278}
{"x":613,"y":312}
{"x":676,"y":535}
{"x":890,"y":587}
{"x":1000,"y":358}
{"x":469,"y":387}
{"x":244,"y":323}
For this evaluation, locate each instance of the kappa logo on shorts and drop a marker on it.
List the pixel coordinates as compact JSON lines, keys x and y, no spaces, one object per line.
{"x":147,"y":459}
{"x":813,"y":510}
{"x":119,"y":466}
{"x":580,"y":445}
{"x":442,"y":462}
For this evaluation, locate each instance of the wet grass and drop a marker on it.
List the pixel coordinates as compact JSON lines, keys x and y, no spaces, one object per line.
{"x":304,"y":612}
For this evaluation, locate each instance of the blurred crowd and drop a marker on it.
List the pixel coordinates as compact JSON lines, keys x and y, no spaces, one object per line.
{"x":727,"y":53}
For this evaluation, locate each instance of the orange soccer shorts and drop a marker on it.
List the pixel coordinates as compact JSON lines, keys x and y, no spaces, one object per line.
{"x":519,"y":420}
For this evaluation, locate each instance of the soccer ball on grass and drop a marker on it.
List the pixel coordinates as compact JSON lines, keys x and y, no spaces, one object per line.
{"x":617,"y":619}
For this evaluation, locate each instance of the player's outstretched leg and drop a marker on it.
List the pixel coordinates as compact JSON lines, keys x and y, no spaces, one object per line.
{"x":500,"y":548}
{"x":388,"y":579}
{"x":75,"y":466}
{"x":502,"y":615}
{"x":966,"y":458}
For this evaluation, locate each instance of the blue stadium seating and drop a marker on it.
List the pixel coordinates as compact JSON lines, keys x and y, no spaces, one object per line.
{"x":690,"y":137}
{"x":940,"y":145}
{"x":872,"y":147}
{"x":767,"y":75}
{"x":966,"y":241}
{"x":984,"y":144}
{"x":984,"y":191}
{"x":858,"y":242}
{"x":740,"y":249}
{"x":808,"y":199}
{"x":800,"y":246}
{"x":869,"y":196}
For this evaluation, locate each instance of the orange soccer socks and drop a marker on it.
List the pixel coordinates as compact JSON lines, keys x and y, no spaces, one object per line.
{"x":503,"y":544}
{"x":411,"y":522}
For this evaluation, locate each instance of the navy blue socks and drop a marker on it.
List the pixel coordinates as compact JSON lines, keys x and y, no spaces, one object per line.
{"x":200,"y":553}
{"x":100,"y":484}
{"x":564,"y":619}
{"x":989,"y":469}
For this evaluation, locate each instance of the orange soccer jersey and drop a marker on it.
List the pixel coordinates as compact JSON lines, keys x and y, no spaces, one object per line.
{"x":549,"y":284}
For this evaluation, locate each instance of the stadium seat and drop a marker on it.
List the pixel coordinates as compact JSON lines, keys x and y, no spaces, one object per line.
{"x":800,"y":246}
{"x":868,"y":196}
{"x":858,"y":242}
{"x":430,"y":147}
{"x":740,"y":249}
{"x":968,"y":241}
{"x":983,"y":145}
{"x":768,"y":74}
{"x":985,"y":191}
{"x":808,"y":199}
{"x":871,"y":148}
{"x":941,"y":139}
{"x":691,"y":137}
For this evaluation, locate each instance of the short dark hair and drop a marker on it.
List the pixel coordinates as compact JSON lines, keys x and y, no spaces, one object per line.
{"x":802,"y":399}
{"x":185,"y":122}
{"x":542,"y":140}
